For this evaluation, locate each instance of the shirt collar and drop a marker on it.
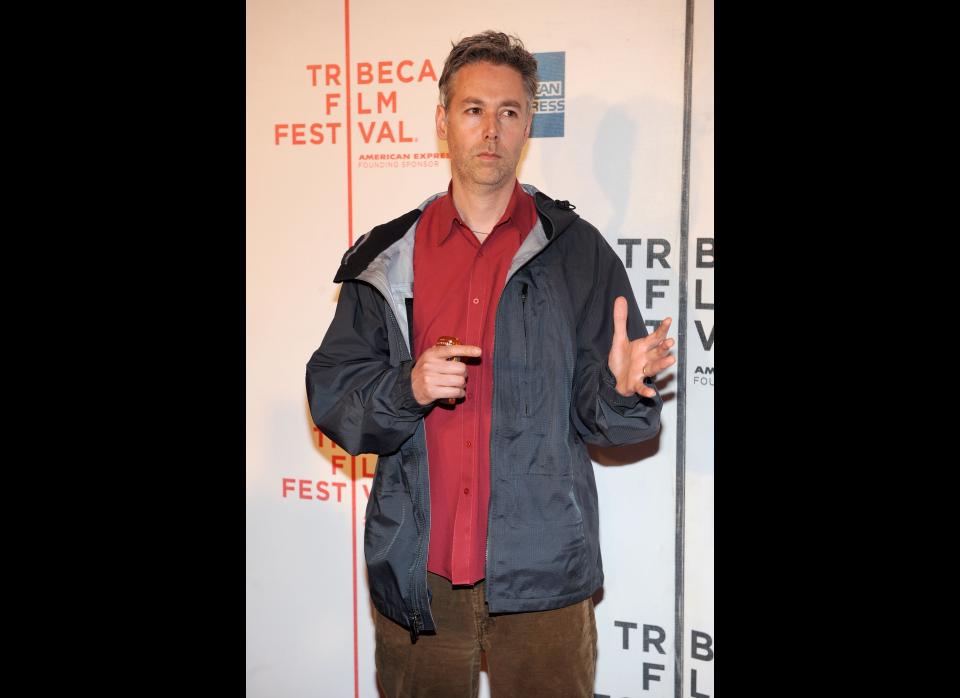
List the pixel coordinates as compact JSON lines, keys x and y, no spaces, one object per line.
{"x":449,"y":216}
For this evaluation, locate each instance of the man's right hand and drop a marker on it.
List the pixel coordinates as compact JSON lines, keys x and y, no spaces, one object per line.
{"x":434,"y":377}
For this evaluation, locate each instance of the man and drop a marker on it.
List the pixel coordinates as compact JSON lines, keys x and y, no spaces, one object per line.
{"x":482,"y":523}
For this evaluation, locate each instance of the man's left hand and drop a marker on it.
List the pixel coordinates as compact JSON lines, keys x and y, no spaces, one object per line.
{"x":631,"y":362}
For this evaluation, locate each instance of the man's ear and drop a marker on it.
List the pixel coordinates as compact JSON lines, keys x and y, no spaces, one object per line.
{"x":441,"y":118}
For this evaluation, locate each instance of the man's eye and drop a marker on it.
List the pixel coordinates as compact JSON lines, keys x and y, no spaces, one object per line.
{"x":473,"y":110}
{"x":509,"y":112}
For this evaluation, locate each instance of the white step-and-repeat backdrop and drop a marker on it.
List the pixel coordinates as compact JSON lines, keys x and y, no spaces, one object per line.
{"x":340,"y":138}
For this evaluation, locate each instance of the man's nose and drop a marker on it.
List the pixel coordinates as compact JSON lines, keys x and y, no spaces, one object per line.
{"x":491,"y":127}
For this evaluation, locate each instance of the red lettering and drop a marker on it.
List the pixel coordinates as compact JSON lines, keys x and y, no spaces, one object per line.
{"x":385,"y":72}
{"x":386,"y":132}
{"x":366,"y":491}
{"x":363,"y":461}
{"x":366,"y":134}
{"x":383,"y":101}
{"x":427,"y":70}
{"x":364,"y":73}
{"x":298,"y":137}
{"x":330,"y":75}
{"x":333,"y":74}
{"x":321,"y":436}
{"x":304,"y":489}
{"x":330,"y":97}
{"x":360,"y":109}
{"x":338,"y":461}
{"x":387,"y":101}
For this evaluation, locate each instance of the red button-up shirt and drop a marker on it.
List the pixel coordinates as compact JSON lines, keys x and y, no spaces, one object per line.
{"x":457,"y":284}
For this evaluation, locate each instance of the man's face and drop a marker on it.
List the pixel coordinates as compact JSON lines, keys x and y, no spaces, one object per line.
{"x":485,"y":124}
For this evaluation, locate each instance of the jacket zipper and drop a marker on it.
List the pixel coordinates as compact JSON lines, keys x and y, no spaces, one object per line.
{"x":416,"y":618}
{"x":526,"y":349}
{"x":416,"y":621}
{"x":486,"y":552}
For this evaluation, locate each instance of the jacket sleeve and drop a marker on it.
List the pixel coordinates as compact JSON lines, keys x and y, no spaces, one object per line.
{"x":600,"y":414}
{"x":356,"y":397}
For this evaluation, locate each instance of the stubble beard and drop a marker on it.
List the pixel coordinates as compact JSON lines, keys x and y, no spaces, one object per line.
{"x":484,"y":176}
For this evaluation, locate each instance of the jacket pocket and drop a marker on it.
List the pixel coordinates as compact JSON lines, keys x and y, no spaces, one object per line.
{"x":545,"y":539}
{"x":547,"y":500}
{"x":387,"y":512}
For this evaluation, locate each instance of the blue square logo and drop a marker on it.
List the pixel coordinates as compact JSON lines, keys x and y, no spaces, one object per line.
{"x":548,"y":103}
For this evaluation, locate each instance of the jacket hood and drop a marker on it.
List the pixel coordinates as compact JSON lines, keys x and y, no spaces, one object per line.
{"x":555,"y":214}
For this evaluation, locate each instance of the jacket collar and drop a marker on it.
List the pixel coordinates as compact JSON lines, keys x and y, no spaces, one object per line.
{"x":555,"y":215}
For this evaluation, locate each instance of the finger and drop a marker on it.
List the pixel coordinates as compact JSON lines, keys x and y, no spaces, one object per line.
{"x":440,"y":393}
{"x":654,"y":367}
{"x":662,"y":349}
{"x":444,"y":386}
{"x":445,"y":380}
{"x":665,"y":363}
{"x":620,"y":319}
{"x":662,"y":330}
{"x":445,"y":366}
{"x":457,"y":350}
{"x":640,"y":387}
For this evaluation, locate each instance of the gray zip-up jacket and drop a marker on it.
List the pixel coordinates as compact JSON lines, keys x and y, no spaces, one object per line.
{"x":552,"y":394}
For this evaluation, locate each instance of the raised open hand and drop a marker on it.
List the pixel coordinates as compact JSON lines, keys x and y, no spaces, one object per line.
{"x":631,"y":362}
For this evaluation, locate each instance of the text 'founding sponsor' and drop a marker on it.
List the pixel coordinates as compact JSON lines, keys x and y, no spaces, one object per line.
{"x":400,"y":160}
{"x":374,"y":109}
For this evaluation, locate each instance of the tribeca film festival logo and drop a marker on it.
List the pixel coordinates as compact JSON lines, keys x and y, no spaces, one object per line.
{"x":654,"y":636}
{"x":654,"y":251}
{"x":374,"y":110}
{"x":343,"y":469}
{"x":548,"y":105}
{"x":703,"y":375}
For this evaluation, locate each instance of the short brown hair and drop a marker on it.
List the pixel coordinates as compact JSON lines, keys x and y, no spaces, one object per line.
{"x":493,"y":47}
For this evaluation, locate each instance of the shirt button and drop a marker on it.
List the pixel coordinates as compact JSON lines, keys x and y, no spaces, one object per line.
{"x":467,"y":444}
{"x":480,"y":253}
{"x":476,"y":300}
{"x":466,"y":490}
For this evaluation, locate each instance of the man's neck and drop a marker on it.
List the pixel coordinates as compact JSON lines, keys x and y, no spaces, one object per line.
{"x":481,"y":209}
